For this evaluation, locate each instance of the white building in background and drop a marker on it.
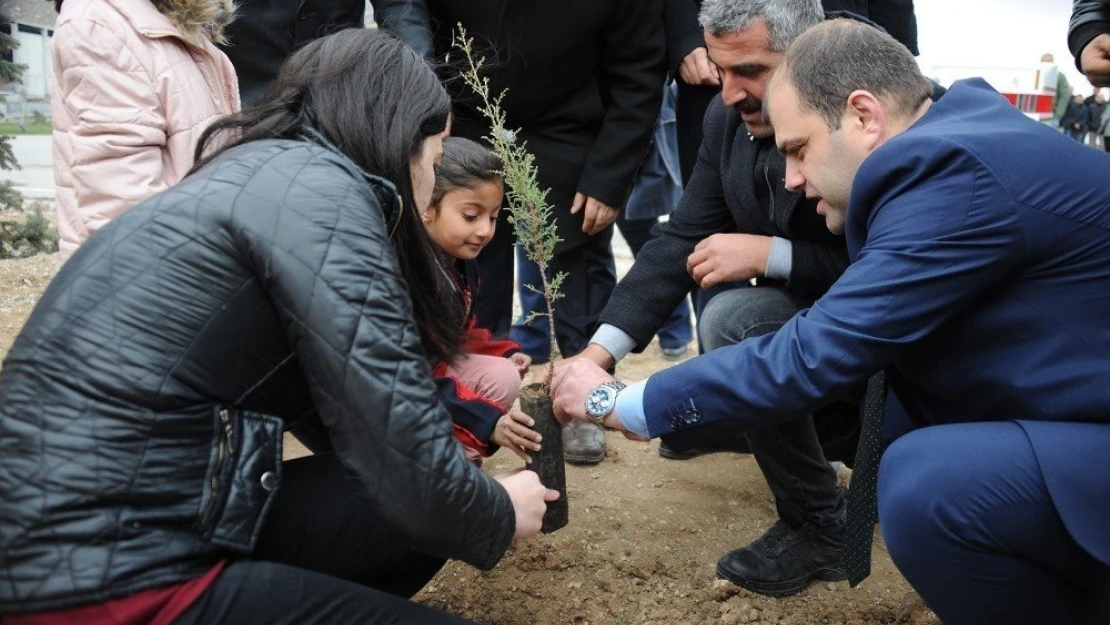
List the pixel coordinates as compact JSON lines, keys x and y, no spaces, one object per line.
{"x":31,"y":22}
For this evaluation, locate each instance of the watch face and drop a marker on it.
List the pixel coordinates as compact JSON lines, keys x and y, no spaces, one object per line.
{"x":600,"y":401}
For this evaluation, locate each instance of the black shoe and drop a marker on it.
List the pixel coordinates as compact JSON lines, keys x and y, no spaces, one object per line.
{"x":735,"y":444}
{"x":784,"y":560}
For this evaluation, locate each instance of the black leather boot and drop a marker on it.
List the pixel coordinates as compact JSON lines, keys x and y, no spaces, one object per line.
{"x":784,"y":560}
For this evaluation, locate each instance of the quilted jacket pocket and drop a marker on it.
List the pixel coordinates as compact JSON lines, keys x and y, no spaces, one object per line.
{"x":244,"y":475}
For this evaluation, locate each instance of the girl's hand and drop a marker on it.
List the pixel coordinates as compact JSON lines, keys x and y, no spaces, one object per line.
{"x":514,"y":432}
{"x":522,"y":362}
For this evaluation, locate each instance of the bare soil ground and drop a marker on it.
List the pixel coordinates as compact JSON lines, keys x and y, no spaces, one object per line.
{"x":643,"y":537}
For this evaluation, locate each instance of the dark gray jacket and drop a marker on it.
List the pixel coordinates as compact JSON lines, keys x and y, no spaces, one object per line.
{"x":584,"y":81}
{"x":145,"y":398}
{"x":721,"y":197}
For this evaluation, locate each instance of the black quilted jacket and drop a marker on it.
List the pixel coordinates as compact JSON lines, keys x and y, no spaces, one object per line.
{"x":142,"y":406}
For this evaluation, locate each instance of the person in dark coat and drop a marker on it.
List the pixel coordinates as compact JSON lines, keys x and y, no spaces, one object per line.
{"x":655,"y":193}
{"x":143,"y":403}
{"x":1094,"y":105}
{"x":1074,"y":121}
{"x":584,"y":83}
{"x":266,"y":32}
{"x":980,"y":284}
{"x":737,"y":216}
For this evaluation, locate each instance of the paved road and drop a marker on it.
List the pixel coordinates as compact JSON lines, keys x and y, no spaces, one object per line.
{"x":35,"y":156}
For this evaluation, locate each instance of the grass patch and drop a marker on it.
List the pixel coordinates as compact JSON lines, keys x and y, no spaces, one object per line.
{"x":33,"y":128}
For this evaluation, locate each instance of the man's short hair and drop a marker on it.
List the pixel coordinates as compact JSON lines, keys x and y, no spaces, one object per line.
{"x":831,"y":60}
{"x":785,"y":19}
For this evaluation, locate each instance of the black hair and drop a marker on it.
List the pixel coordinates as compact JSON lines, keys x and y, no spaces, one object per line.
{"x":376,"y":101}
{"x":465,"y":163}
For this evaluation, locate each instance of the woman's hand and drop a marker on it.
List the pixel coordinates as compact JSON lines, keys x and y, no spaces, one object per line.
{"x":522,"y":362}
{"x":514,"y":432}
{"x":529,"y":500}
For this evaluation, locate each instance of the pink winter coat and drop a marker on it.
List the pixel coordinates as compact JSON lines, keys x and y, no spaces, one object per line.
{"x":134,"y":88}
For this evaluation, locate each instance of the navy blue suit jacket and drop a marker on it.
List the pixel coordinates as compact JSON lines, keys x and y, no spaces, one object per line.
{"x":980,"y":277}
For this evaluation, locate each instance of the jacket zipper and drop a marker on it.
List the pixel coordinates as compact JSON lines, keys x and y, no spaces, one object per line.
{"x":771,"y":193}
{"x":221,"y":454}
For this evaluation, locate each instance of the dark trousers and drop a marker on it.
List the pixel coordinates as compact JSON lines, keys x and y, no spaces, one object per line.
{"x":968,"y":520}
{"x":789,"y":454}
{"x":323,"y":557}
{"x":690,"y":107}
{"x":590,"y":277}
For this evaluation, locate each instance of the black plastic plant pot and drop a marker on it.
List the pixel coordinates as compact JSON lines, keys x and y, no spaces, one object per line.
{"x":548,"y":462}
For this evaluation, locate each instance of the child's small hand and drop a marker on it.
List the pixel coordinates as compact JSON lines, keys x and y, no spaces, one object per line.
{"x":514,"y":431}
{"x":522,"y":362}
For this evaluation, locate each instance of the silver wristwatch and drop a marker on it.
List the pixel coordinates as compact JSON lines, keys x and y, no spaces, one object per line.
{"x":601,"y":401}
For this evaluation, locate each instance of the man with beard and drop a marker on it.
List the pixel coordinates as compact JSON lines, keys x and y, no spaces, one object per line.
{"x":698,"y":82}
{"x":736,"y":222}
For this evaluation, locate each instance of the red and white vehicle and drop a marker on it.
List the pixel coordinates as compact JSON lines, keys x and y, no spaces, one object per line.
{"x":1031,"y":89}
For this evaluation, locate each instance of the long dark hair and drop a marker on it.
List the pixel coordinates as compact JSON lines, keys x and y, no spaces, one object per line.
{"x":376,"y":100}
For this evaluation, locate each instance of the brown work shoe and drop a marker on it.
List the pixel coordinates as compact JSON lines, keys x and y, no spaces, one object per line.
{"x":583,"y":443}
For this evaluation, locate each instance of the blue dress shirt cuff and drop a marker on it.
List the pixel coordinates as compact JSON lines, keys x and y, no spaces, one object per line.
{"x":781,"y":259}
{"x":630,"y":409}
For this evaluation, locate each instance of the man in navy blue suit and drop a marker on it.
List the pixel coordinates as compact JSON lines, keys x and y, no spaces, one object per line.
{"x":980,"y":281}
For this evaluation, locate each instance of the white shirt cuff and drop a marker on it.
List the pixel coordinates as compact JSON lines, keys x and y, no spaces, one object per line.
{"x":630,"y":409}
{"x":615,"y":341}
{"x":781,"y":259}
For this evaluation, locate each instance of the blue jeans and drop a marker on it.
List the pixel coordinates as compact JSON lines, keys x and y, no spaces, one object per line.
{"x":533,"y":337}
{"x":789,"y":455}
{"x":968,"y":520}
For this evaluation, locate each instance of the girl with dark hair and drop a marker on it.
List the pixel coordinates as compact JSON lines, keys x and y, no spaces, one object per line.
{"x":480,"y":385}
{"x":283,"y":281}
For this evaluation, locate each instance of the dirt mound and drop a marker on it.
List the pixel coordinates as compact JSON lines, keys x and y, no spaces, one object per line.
{"x":641,"y":547}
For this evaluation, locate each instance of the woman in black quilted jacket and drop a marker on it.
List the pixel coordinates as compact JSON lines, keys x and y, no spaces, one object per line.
{"x":143,"y":404}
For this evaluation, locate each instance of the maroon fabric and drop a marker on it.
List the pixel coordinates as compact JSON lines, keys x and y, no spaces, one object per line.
{"x":157,"y":606}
